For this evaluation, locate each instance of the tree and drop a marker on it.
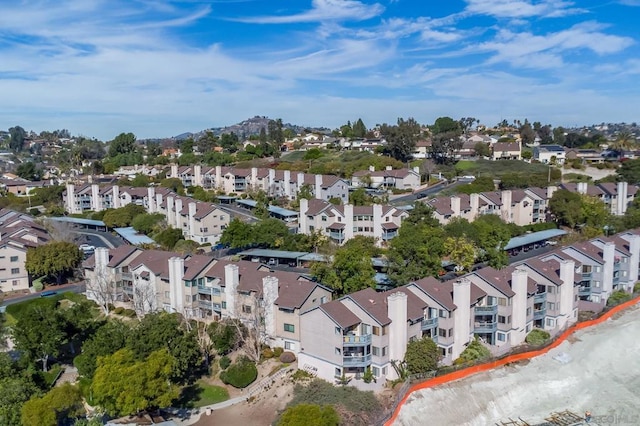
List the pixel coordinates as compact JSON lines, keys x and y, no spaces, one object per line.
{"x":351,"y":269}
{"x":124,"y":143}
{"x":527,"y":134}
{"x":624,"y":141}
{"x":107,"y":340}
{"x":466,"y":124}
{"x":566,"y":206}
{"x":29,"y":171}
{"x":306,"y":192}
{"x":56,"y":258}
{"x":168,"y":238}
{"x":309,"y":415}
{"x":629,"y":171}
{"x":164,"y":331}
{"x":482,"y":149}
{"x":446,"y":139}
{"x":359,"y":129}
{"x":122,"y":217}
{"x":415,"y":253}
{"x":57,"y":407}
{"x":461,"y":252}
{"x":17,"y":388}
{"x":474,"y":351}
{"x":224,"y":336}
{"x":401,"y":138}
{"x":16,"y":138}
{"x":276,"y":134}
{"x":594,"y":212}
{"x":147,"y":223}
{"x":422,"y":356}
{"x":238,"y":234}
{"x":102,"y":288}
{"x":39,"y":331}
{"x":123,"y":385}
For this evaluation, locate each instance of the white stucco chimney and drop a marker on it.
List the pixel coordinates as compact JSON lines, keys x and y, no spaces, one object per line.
{"x":348,"y":222}
{"x":269,"y":297}
{"x":176,"y":286}
{"x":398,"y":339}
{"x":302,"y":216}
{"x":567,"y":276}
{"x":455,"y":206}
{"x":178,"y":216}
{"x":174,"y":170}
{"x":519,"y":281}
{"x":505,"y":209}
{"x":608,"y":255}
{"x":171,"y":218}
{"x":197,"y":175}
{"x":634,"y":259}
{"x":115,"y":193}
{"x":318,"y":188}
{"x":474,"y":202}
{"x":621,"y":200}
{"x":461,"y":316}
{"x":287,"y":185}
{"x":192,"y":219}
{"x":151,"y":199}
{"x":231,"y":282}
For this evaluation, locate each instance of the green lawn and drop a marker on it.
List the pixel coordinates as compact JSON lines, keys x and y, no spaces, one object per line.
{"x":201,"y":394}
{"x":463,"y":165}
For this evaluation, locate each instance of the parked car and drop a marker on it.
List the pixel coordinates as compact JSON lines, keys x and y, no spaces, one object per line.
{"x":87,"y":248}
{"x":48,"y":293}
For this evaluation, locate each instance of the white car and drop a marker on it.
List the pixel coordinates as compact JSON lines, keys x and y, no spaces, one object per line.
{"x":87,"y":248}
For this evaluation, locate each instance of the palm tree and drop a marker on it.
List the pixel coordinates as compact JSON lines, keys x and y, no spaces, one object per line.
{"x":623,"y":142}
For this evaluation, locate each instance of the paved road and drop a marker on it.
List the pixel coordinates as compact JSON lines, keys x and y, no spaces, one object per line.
{"x":74,"y":288}
{"x":428,"y":192}
{"x":98,"y":239}
{"x":238,"y":212}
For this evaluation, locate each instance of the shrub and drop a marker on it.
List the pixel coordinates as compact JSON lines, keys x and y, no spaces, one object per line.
{"x":225,"y":362}
{"x":119,"y":310}
{"x":277,"y":351}
{"x":537,"y":337}
{"x":475,"y":351}
{"x":368,"y":376}
{"x":287,"y":357}
{"x":129,"y":313}
{"x":241,"y":374}
{"x":267,"y":353}
{"x":618,"y":297}
{"x":301,"y":415}
{"x":636,"y":288}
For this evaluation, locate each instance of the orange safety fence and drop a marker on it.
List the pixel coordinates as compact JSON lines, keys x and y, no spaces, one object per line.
{"x":466,"y":372}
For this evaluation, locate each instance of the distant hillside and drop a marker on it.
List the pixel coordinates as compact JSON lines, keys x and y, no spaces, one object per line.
{"x":252,"y":126}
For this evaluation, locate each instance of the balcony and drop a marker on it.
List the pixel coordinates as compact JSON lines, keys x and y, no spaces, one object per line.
{"x":586,"y":275}
{"x":540,"y":298}
{"x":128,"y":290}
{"x":207,"y":304}
{"x":354,"y":340}
{"x":212,"y":291}
{"x":584,"y":291}
{"x":485,"y":327}
{"x":429,"y":323}
{"x":128,"y":276}
{"x":336,"y":235}
{"x":356,"y":361}
{"x":486,"y":310}
{"x":539,"y":314}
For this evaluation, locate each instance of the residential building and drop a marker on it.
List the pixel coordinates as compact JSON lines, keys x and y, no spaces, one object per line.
{"x":18,"y":233}
{"x":387,"y":179}
{"x":549,"y":154}
{"x":506,"y":151}
{"x":342,"y":222}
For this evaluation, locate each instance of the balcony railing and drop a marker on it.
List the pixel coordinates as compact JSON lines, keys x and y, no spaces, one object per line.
{"x":356,"y":361}
{"x":128,"y":289}
{"x":540,"y":297}
{"x":207,"y":304}
{"x":486,"y":310}
{"x":127,"y":276}
{"x":485,"y":327}
{"x":209,"y":290}
{"x":586,"y":275}
{"x":429,"y":323}
{"x":539,"y":314}
{"x":584,"y":291}
{"x":353,"y":340}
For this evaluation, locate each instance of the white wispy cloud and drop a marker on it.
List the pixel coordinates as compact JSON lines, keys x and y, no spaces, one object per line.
{"x":529,"y":50}
{"x":323,"y":10}
{"x":630,"y":2}
{"x":523,"y":8}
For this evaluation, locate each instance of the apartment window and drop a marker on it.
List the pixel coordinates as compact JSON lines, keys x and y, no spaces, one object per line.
{"x":167,"y":294}
{"x":375,"y":351}
{"x":15,"y":270}
{"x":442,"y":332}
{"x":502,"y":301}
{"x":14,"y":258}
{"x":324,"y":218}
{"x":502,"y":319}
{"x":290,"y":346}
{"x":15,"y":283}
{"x":551,"y":306}
{"x":451,"y":332}
{"x":551,"y":322}
{"x":384,"y":371}
{"x":443,"y":352}
{"x":375,"y":371}
{"x":596,"y":283}
{"x":597,"y":269}
{"x":246,"y":309}
{"x":450,"y":351}
{"x":501,"y":337}
{"x":338,"y":330}
{"x":528,"y":311}
{"x":224,"y":305}
{"x":376,"y":330}
{"x":323,"y":299}
{"x":338,"y":372}
{"x":586,"y":269}
{"x":528,"y":328}
{"x":289,"y":327}
{"x":338,"y":351}
{"x":443,"y":314}
{"x":384,"y":351}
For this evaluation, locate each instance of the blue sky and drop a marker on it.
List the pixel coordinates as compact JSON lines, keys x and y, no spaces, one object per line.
{"x":159,"y":68}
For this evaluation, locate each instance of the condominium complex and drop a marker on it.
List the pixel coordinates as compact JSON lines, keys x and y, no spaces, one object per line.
{"x":342,"y":222}
{"x":18,"y":233}
{"x":527,"y":206}
{"x":388,"y":178}
{"x":199,"y":221}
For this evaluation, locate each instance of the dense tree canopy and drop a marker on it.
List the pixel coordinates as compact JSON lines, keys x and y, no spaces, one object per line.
{"x":421,"y":356}
{"x":108,"y":339}
{"x":124,"y":143}
{"x":401,"y":138}
{"x":59,"y":406}
{"x":57,"y":258}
